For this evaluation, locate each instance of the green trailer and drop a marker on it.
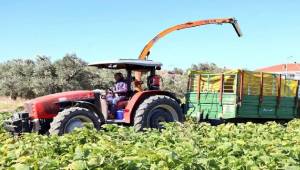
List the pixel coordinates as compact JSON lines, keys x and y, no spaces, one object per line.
{"x":240,"y":95}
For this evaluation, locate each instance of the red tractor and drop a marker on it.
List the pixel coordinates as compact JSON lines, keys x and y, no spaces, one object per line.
{"x":62,"y":112}
{"x":144,"y":108}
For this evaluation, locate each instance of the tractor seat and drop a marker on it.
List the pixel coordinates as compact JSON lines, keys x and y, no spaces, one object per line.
{"x":122,"y":104}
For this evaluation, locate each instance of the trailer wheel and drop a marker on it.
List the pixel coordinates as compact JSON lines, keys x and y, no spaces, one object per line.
{"x":155,"y":110}
{"x":74,"y":117}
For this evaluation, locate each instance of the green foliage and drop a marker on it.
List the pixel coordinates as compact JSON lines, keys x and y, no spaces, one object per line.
{"x":44,"y":77}
{"x":16,"y":78}
{"x":208,"y":67}
{"x":29,"y":79}
{"x":186,"y":146}
{"x":175,"y":82}
{"x":3,"y":116}
{"x":71,"y":73}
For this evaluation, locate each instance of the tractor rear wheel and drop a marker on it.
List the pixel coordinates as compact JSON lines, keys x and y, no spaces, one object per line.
{"x":155,"y":110}
{"x":74,"y":117}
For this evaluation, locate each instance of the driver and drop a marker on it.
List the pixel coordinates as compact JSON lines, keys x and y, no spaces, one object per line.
{"x":119,"y":91}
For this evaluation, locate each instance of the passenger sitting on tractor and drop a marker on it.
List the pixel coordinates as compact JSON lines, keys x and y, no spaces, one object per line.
{"x":119,"y":92}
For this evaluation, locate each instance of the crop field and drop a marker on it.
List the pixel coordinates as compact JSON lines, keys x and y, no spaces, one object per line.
{"x":179,"y":146}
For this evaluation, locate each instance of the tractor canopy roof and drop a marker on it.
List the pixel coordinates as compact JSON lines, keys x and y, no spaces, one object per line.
{"x":132,"y":64}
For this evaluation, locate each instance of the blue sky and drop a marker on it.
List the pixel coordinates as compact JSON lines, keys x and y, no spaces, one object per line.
{"x":107,"y":29}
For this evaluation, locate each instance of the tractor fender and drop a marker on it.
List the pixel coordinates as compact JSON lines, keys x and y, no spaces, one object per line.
{"x":84,"y":104}
{"x":138,"y":98}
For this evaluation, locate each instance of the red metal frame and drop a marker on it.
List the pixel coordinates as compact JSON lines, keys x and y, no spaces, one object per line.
{"x":199,"y":88}
{"x":261,"y":87}
{"x":279,"y":90}
{"x":221,"y":93}
{"x":221,"y":88}
{"x":242,"y":85}
{"x":297,"y":91}
{"x":189,"y":83}
{"x":46,"y":107}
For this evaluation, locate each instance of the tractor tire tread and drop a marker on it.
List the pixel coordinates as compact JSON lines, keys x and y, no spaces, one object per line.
{"x":139,"y":119}
{"x":57,"y":122}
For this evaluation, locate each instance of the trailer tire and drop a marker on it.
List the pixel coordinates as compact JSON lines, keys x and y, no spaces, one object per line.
{"x":66,"y":121}
{"x":156,"y":109}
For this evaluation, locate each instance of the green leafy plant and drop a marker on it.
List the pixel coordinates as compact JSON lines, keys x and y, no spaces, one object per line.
{"x":179,"y":146}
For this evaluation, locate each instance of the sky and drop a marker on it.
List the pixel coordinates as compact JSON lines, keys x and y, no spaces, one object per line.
{"x":97,"y":30}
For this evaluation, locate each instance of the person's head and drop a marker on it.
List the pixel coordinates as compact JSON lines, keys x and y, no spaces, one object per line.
{"x":118,"y":76}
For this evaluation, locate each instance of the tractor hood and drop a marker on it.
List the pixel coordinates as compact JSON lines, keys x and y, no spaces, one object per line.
{"x":46,"y":107}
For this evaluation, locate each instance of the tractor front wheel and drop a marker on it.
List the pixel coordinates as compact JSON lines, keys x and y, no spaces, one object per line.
{"x":74,"y":117}
{"x":155,"y":110}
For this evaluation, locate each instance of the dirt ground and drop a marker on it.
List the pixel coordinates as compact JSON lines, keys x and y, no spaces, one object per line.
{"x":9,"y":105}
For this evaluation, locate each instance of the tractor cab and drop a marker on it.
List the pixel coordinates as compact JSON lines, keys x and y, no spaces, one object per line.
{"x":128,"y":66}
